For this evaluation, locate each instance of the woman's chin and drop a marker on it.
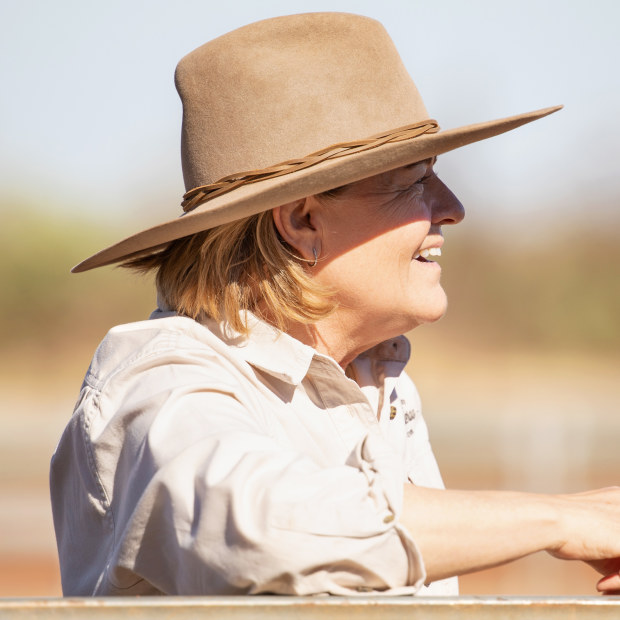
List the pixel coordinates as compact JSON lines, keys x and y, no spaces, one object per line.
{"x":432,"y":311}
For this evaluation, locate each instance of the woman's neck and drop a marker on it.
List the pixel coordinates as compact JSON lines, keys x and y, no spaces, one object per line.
{"x":340,"y":337}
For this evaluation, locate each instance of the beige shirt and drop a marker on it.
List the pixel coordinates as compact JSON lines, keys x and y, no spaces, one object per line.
{"x":199,"y":462}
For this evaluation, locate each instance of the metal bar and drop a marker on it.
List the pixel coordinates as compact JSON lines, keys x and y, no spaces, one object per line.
{"x":303,"y":608}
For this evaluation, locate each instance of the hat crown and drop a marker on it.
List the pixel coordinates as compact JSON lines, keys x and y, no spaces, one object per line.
{"x":282,"y":88}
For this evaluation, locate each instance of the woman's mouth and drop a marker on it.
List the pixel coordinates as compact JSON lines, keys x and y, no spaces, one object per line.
{"x":423,"y":255}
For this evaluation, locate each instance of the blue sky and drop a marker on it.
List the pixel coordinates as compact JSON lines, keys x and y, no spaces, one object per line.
{"x":90,"y":120}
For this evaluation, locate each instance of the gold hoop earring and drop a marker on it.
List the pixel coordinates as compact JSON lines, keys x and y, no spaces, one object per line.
{"x":316,"y":258}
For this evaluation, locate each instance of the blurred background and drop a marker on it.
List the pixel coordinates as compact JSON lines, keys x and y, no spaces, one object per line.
{"x":519,"y":380}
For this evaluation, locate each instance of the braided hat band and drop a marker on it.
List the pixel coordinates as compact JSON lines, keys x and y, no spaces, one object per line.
{"x":203,"y":193}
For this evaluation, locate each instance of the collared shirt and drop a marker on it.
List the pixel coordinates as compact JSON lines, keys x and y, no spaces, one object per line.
{"x":199,"y":461}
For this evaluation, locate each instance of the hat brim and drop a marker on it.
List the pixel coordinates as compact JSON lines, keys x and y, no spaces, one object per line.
{"x":263,"y":195}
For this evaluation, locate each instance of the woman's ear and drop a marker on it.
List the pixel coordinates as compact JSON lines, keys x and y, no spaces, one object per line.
{"x":296,"y":224}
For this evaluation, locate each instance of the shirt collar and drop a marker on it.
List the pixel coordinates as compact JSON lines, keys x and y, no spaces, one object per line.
{"x":281,"y":355}
{"x":273,"y":351}
{"x":392,"y":350}
{"x":288,"y":359}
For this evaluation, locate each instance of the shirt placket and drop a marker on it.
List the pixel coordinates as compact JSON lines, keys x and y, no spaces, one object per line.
{"x":350,"y":411}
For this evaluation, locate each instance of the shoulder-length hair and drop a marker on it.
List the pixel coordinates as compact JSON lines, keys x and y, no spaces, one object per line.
{"x":243,"y":265}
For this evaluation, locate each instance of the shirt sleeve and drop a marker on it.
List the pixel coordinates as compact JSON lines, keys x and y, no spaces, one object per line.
{"x":206,"y":501}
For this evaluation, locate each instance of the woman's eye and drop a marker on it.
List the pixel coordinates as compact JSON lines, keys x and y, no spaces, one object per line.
{"x":426,"y":177}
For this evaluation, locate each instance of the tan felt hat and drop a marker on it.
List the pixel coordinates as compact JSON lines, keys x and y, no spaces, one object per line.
{"x":290,"y":107}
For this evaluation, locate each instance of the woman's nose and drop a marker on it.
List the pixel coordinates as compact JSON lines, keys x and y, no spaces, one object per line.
{"x":446,"y":207}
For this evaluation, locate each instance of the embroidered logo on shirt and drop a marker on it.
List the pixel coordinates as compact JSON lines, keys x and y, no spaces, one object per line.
{"x":410,"y":415}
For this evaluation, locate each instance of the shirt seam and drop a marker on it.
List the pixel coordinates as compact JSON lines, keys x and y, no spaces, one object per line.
{"x":167,"y":346}
{"x":104,"y":498}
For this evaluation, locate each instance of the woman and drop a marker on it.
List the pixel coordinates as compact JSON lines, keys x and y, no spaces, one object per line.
{"x":258,"y":434}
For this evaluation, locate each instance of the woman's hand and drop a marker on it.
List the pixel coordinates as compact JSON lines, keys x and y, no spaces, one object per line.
{"x":599,"y":511}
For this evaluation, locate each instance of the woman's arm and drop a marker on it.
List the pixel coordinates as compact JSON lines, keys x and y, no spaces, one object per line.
{"x":463,"y":531}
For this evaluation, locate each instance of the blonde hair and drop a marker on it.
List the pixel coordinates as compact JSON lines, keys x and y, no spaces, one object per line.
{"x":243,"y":265}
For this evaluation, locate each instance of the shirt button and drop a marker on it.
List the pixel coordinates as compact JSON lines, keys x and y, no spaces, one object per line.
{"x":392,"y":412}
{"x":388,"y":519}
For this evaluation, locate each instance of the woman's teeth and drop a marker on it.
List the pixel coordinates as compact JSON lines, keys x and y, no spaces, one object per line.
{"x":429,"y":252}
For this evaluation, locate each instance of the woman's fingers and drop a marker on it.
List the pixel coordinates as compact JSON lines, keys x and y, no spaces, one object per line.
{"x":610,"y":584}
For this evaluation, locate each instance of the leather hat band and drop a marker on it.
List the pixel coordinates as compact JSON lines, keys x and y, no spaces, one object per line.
{"x":203,"y":193}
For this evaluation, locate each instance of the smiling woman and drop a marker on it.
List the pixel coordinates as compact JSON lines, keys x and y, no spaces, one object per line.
{"x":369,"y":238}
{"x":258,"y":434}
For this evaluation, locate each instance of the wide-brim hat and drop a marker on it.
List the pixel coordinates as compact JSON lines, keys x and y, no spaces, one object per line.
{"x":290,"y":107}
